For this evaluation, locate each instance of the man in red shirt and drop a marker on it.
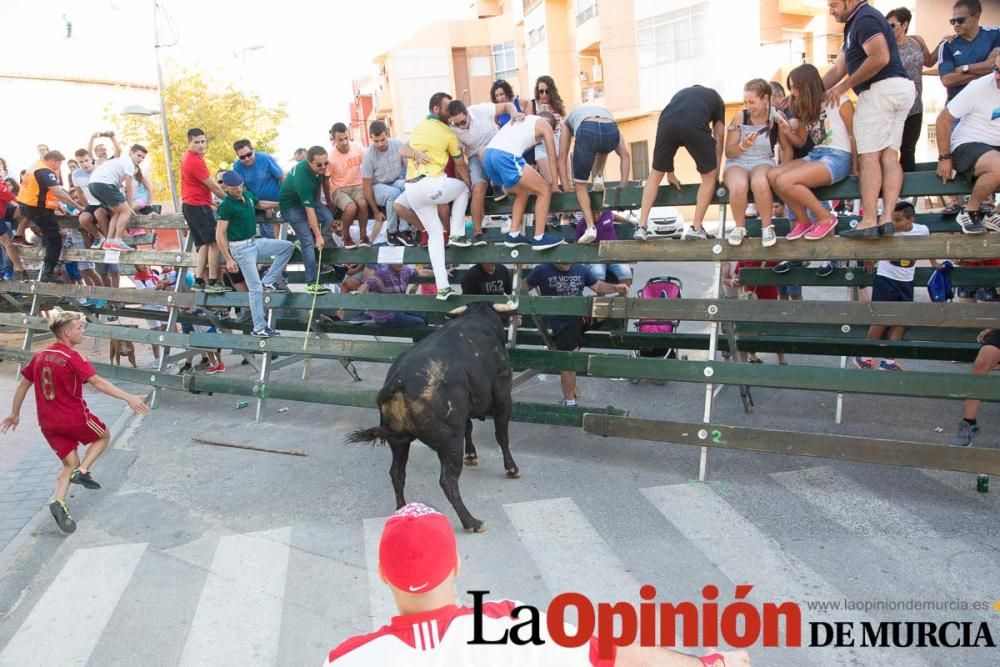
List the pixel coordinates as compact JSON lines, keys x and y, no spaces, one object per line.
{"x":197,"y":187}
{"x":418,"y":561}
{"x":58,"y":374}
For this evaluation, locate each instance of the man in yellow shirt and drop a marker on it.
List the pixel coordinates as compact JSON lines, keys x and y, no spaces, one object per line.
{"x":427,"y":186}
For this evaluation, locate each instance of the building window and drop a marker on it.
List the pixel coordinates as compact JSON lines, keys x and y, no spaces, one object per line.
{"x":504,"y":60}
{"x":672,"y":36}
{"x":640,"y":160}
{"x":585,"y":10}
{"x":536,"y":36}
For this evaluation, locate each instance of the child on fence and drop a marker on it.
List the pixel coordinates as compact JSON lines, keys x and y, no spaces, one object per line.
{"x":893,"y":282}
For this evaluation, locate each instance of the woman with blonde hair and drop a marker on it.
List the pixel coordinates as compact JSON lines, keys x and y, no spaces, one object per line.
{"x":58,"y":374}
{"x":750,"y":141}
{"x":833,"y":158}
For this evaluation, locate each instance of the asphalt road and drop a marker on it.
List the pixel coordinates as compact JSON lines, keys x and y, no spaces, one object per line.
{"x":198,"y":555}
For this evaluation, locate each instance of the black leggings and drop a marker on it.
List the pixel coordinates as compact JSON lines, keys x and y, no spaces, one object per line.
{"x":49,"y":227}
{"x":911,"y":134}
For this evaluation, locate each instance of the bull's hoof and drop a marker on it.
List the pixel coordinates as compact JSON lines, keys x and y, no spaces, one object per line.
{"x":471,"y":460}
{"x":513,"y":473}
{"x":478,"y":527}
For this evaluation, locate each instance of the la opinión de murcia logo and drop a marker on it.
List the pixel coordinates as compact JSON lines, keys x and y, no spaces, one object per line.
{"x":707,"y":624}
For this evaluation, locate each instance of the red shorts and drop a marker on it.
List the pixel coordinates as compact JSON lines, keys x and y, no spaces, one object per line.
{"x":64,"y":439}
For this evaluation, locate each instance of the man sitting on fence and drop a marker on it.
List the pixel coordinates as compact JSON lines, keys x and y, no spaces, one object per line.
{"x":235,"y":234}
{"x":394,"y":279}
{"x":974,"y":147}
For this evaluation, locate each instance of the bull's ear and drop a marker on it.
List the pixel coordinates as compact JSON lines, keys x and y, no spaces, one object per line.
{"x":458,"y":311}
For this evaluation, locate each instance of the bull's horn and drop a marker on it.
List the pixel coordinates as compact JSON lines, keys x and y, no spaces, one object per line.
{"x":505,"y":307}
{"x":458,"y":311}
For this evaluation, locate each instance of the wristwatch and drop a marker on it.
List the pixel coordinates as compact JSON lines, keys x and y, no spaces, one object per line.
{"x":944,"y":156}
{"x":965,"y":69}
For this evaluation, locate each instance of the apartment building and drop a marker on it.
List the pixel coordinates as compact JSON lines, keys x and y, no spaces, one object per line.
{"x":629,"y":56}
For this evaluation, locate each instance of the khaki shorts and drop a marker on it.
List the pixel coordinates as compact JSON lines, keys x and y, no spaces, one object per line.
{"x":881,"y":114}
{"x":345,"y":196}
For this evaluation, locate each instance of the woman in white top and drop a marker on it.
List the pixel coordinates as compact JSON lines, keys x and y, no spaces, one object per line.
{"x":750,"y":141}
{"x":833,"y":158}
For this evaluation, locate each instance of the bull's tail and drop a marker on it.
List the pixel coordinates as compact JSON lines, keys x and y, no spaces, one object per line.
{"x":376,"y":435}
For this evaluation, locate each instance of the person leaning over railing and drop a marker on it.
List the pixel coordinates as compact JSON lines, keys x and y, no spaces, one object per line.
{"x":298,"y":201}
{"x":39,"y":198}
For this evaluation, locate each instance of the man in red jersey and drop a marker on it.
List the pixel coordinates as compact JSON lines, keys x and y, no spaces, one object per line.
{"x":197,"y":188}
{"x":58,"y":374}
{"x":418,"y":561}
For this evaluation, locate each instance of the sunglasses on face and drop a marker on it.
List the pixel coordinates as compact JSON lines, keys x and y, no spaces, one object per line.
{"x":893,"y":25}
{"x":320,"y":165}
{"x":542,"y":91}
{"x":245,"y":156}
{"x":958,"y":20}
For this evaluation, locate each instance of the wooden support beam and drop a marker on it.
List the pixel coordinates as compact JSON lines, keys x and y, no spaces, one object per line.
{"x":857,"y":277}
{"x":821,"y":445}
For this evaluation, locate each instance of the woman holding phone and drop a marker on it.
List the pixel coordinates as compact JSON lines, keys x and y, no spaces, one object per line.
{"x":750,"y":141}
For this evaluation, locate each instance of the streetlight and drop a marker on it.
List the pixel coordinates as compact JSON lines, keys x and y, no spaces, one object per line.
{"x":139,"y":110}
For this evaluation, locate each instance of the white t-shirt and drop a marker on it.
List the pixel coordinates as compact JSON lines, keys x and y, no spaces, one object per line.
{"x":515,"y":138}
{"x":978,"y":107}
{"x":482,"y":127}
{"x":441,"y":637}
{"x":830,"y":131}
{"x":80,"y":179}
{"x":114,"y":171}
{"x":902,"y":269}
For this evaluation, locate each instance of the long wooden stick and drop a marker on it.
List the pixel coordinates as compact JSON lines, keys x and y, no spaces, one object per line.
{"x":287,"y":452}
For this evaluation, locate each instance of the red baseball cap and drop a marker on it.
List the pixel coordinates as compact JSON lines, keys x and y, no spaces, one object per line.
{"x":417,"y":551}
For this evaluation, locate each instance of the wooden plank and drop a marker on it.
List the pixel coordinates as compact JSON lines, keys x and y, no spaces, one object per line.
{"x":154,"y":221}
{"x":963,"y":315}
{"x":854,"y":276}
{"x":935,"y":223}
{"x":821,"y":445}
{"x":154,"y":257}
{"x":813,"y":378}
{"x":116,"y":295}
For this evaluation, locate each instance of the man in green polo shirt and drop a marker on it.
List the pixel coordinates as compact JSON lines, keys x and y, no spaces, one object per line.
{"x":299,"y":203}
{"x":234,"y":234}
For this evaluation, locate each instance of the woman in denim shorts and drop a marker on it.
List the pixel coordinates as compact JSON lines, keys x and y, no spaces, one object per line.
{"x":833,"y":158}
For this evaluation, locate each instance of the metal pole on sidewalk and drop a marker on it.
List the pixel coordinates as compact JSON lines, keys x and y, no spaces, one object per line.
{"x":713,"y":340}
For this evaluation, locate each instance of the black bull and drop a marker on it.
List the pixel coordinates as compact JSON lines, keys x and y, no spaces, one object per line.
{"x":434,"y":390}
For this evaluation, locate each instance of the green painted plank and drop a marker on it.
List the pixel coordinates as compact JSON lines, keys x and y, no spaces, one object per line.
{"x":812,"y":378}
{"x":821,"y":445}
{"x":119,"y":295}
{"x":963,"y":315}
{"x":854,"y":276}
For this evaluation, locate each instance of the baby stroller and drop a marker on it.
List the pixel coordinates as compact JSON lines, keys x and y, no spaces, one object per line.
{"x":661,"y":287}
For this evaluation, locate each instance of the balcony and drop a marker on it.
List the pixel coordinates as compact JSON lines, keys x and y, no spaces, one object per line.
{"x":486,"y":8}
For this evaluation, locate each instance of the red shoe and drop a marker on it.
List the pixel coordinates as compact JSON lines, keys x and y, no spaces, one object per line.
{"x":424,"y":240}
{"x":349,"y":242}
{"x":221,"y":368}
{"x":821,"y":229}
{"x":364,"y":242}
{"x":799,"y":230}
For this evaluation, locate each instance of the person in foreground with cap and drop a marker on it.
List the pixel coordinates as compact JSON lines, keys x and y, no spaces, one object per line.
{"x":235,"y":234}
{"x":418,"y":561}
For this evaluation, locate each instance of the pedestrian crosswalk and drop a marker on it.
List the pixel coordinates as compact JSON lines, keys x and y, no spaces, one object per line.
{"x":286,"y":595}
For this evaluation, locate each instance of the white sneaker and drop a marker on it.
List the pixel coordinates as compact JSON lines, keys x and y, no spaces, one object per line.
{"x":589,"y":236}
{"x":767,"y":236}
{"x":598,"y":184}
{"x":692,"y":233}
{"x":737,"y":235}
{"x":751,"y":211}
{"x":640,"y":234}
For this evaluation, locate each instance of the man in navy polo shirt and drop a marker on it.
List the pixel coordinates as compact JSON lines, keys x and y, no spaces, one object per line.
{"x":872,"y":67}
{"x":263,"y":177}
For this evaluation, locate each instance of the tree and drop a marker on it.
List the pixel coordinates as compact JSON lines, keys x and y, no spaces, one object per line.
{"x":226,"y":114}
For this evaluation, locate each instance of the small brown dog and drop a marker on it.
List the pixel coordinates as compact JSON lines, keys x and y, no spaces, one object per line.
{"x":122,"y":348}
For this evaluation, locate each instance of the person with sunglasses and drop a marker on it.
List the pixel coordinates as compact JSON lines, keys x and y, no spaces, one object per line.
{"x":547,"y":98}
{"x":475,"y":126}
{"x":971,"y":53}
{"x":915,"y":54}
{"x":262,"y":177}
{"x":300,"y":206}
{"x":973,"y":148}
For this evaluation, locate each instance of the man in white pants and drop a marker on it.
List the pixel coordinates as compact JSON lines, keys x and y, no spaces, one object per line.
{"x":503,"y":164}
{"x":427,"y":186}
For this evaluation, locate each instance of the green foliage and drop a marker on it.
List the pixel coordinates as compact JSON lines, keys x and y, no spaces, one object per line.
{"x":226,"y":114}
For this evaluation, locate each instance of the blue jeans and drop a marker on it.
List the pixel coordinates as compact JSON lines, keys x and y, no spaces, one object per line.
{"x":297,"y":220}
{"x":592,"y":137}
{"x":404,"y":320}
{"x":247,"y":255}
{"x":265,"y":228}
{"x":385,"y":195}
